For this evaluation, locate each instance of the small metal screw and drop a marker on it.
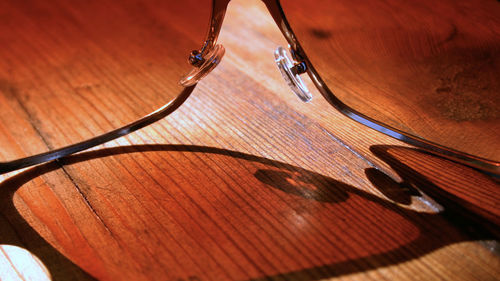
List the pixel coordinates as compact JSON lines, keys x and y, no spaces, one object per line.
{"x":299,"y":68}
{"x":196,"y":58}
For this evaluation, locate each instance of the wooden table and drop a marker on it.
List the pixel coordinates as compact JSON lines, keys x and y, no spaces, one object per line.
{"x":245,"y":181}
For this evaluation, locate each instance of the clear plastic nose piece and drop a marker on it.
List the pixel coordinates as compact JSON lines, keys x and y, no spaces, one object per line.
{"x":209,"y":61}
{"x":291,"y":73}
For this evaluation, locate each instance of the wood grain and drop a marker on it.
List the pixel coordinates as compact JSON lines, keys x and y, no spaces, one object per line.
{"x":429,"y":69}
{"x":62,"y":65}
{"x":245,"y":182}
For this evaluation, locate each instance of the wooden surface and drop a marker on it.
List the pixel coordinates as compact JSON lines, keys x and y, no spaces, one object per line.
{"x":69,"y":73}
{"x":247,"y":182}
{"x":429,"y":69}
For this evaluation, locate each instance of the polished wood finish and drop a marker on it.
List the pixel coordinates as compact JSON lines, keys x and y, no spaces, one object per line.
{"x":426,"y":68}
{"x":61,"y":65}
{"x":243,"y":182}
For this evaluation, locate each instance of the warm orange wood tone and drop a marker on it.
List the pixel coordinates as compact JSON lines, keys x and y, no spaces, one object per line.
{"x":62,"y":64}
{"x":424,"y":67}
{"x":246,"y":182}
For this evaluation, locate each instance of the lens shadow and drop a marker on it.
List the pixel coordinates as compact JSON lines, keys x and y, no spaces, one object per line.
{"x":330,"y":227}
{"x":464,"y":190}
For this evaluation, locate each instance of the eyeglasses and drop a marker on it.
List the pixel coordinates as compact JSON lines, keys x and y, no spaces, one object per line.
{"x":427,"y":76}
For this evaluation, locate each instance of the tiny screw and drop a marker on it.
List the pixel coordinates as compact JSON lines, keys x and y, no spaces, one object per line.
{"x":196,"y":58}
{"x":299,"y":68}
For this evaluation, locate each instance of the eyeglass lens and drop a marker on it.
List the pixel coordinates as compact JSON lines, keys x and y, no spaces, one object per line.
{"x":72,"y":70}
{"x":427,"y":68}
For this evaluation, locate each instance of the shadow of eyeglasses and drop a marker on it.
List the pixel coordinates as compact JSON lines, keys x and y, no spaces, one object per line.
{"x":301,"y":184}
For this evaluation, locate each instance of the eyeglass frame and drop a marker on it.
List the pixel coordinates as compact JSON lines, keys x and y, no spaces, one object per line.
{"x":274,"y":7}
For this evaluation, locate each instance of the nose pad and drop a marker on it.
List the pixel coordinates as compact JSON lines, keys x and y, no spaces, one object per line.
{"x":203,"y":64}
{"x":291,"y":73}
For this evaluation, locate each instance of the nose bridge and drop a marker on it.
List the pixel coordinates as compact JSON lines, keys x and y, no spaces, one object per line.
{"x":210,"y":54}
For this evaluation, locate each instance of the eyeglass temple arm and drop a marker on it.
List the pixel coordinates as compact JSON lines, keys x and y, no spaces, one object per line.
{"x":160,"y":113}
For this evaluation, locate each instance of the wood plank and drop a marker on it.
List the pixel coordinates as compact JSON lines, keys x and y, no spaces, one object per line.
{"x":243,"y":182}
{"x":429,"y":69}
